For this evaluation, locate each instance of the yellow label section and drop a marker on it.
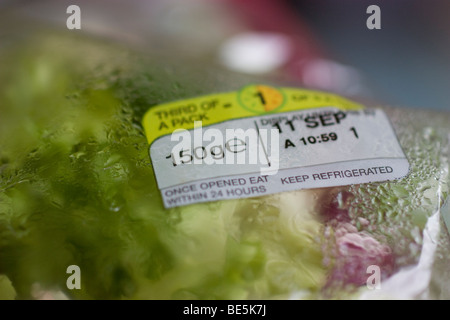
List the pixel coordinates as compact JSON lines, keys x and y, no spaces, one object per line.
{"x":250,"y":101}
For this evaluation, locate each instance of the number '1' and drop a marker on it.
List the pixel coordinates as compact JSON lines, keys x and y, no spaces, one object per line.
{"x":261,"y":97}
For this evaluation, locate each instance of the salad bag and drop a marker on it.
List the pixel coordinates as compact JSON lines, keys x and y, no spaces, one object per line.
{"x":344,"y":199}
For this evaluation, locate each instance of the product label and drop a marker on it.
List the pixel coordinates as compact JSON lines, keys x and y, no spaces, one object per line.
{"x":263,"y":140}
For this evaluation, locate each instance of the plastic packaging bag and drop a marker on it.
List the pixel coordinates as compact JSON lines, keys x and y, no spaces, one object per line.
{"x":78,"y":189}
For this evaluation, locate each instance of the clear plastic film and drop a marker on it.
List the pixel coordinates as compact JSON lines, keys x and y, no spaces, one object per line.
{"x":77,"y":188}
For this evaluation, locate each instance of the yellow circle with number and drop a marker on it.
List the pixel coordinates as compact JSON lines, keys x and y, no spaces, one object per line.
{"x":259,"y":98}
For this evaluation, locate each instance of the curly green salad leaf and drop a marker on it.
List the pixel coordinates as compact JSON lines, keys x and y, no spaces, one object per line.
{"x":77,"y":188}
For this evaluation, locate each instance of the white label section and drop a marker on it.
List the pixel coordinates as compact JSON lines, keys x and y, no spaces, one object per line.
{"x":268,"y":154}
